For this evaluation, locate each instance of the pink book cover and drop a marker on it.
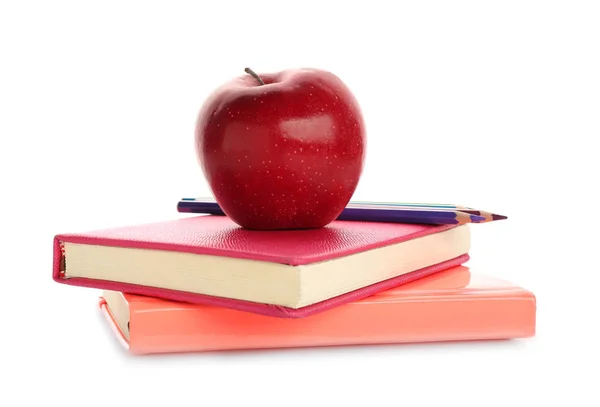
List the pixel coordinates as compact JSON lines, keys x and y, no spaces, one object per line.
{"x":453,"y":305}
{"x":219,"y":236}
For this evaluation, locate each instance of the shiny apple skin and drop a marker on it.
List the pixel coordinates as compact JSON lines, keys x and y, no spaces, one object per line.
{"x":284,"y":155}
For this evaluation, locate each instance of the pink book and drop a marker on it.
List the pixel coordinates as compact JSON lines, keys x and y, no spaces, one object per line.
{"x":295,"y":273}
{"x":453,"y":305}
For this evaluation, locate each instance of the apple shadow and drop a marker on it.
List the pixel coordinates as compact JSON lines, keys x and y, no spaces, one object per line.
{"x":287,"y":240}
{"x":312,"y":239}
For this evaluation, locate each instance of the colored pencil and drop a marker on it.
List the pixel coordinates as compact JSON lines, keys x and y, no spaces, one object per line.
{"x":358,"y":212}
{"x":488,"y":216}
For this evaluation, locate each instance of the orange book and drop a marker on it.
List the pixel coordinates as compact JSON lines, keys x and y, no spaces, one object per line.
{"x":452,"y":305}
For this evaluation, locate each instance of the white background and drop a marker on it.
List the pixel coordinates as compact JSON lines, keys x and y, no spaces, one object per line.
{"x":488,"y":104}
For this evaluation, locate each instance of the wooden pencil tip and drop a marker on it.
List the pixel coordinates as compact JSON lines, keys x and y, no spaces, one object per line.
{"x":462,"y":218}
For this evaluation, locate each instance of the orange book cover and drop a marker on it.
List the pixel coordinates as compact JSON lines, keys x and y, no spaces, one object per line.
{"x":456,"y":304}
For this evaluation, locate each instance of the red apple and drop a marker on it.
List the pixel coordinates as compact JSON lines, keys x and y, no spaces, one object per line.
{"x":282,"y":150}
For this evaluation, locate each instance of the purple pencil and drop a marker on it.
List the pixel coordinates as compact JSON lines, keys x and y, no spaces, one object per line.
{"x":357,"y":212}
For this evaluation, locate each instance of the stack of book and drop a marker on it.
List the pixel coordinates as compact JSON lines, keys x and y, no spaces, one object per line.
{"x":202,"y":283}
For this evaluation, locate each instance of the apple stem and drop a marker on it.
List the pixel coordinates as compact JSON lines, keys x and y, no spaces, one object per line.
{"x":254,"y":75}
